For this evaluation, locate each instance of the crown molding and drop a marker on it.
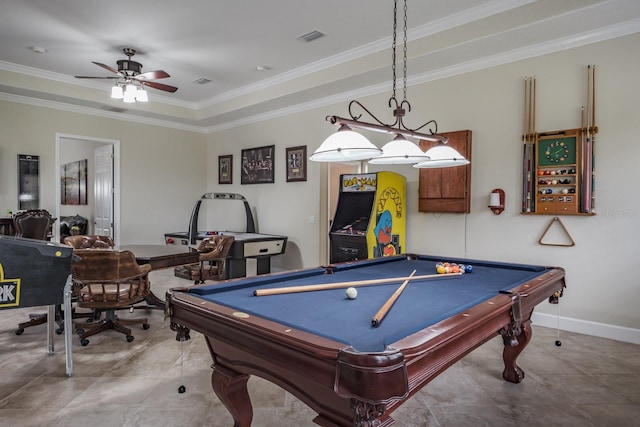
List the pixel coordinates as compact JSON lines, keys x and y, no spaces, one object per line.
{"x":570,"y":42}
{"x":585,"y":38}
{"x":98,"y":113}
{"x":444,"y":24}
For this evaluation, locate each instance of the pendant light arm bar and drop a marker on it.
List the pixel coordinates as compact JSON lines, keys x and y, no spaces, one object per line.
{"x":386,"y":129}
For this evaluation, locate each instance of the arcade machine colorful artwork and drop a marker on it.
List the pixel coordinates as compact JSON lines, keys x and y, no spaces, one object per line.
{"x":370,"y":218}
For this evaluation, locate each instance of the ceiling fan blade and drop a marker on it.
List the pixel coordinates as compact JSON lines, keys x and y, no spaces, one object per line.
{"x":153,"y":75}
{"x":90,"y":77}
{"x":159,"y":86}
{"x":106,"y":67}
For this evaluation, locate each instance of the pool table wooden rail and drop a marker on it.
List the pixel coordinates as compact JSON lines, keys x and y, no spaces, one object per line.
{"x":321,"y":372}
{"x":346,"y":387}
{"x":434,"y":349}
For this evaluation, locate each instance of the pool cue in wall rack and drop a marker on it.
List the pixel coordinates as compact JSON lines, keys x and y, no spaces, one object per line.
{"x":589,"y":129}
{"x":529,"y":142}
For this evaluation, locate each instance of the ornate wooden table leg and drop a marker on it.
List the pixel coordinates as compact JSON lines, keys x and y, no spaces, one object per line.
{"x":366,"y":414}
{"x":512,"y":349}
{"x":231,"y":389}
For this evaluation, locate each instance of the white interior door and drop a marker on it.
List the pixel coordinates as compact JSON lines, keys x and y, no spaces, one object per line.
{"x":103,"y":191}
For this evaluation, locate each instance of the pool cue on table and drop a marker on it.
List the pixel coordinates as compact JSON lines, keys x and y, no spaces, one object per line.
{"x":377,"y":318}
{"x":338,"y":285}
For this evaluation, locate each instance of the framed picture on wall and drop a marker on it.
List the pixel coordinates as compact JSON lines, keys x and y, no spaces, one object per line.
{"x":74,"y":183}
{"x":297,"y":163}
{"x":257,"y":165}
{"x":225,"y":169}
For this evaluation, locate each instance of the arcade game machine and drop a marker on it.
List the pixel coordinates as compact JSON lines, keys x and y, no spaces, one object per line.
{"x":370,"y":218}
{"x":36,"y":273}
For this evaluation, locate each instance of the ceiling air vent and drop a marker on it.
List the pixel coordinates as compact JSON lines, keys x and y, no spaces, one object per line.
{"x":202,"y":81}
{"x":309,"y":37}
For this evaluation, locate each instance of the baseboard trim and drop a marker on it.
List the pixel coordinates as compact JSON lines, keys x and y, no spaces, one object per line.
{"x":618,"y":333}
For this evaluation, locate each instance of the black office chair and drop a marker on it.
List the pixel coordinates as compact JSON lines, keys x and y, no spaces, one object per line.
{"x":35,"y":224}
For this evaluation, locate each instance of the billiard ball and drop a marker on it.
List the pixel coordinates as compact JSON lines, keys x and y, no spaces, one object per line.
{"x":352,"y":293}
{"x":463,"y":268}
{"x":182,"y":389}
{"x":468,"y":268}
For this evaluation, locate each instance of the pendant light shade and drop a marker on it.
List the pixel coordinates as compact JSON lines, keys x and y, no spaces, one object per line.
{"x":442,"y":156}
{"x":130,"y":93}
{"x":400,"y":151}
{"x":141,"y":95}
{"x":116,"y":92}
{"x":345,"y":145}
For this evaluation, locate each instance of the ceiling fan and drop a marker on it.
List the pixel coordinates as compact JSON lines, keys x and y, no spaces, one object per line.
{"x":129,"y":72}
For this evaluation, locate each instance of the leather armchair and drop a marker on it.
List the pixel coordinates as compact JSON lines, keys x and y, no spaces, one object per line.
{"x":109,"y":280}
{"x":89,"y":242}
{"x":214,"y":251}
{"x":68,"y":222}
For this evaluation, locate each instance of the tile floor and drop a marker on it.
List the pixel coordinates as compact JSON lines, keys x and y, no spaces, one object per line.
{"x":586,"y":382}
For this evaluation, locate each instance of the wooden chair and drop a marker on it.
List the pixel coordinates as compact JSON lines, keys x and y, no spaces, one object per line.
{"x":214,"y":251}
{"x":90,"y":241}
{"x":35,"y":224}
{"x":109,"y":280}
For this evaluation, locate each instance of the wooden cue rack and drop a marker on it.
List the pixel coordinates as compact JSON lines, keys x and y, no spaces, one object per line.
{"x":558,"y":166}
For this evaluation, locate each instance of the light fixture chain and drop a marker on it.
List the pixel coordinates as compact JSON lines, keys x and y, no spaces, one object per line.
{"x":393,"y":46}
{"x":404,"y":69}
{"x":347,"y":145}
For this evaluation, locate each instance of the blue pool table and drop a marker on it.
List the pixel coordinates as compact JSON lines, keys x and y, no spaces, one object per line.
{"x":322,"y":346}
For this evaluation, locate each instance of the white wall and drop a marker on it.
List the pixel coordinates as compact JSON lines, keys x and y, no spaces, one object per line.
{"x":162,"y":170}
{"x":602,"y":286}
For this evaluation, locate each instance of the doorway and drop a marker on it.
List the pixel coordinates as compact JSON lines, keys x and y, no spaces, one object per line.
{"x":102,"y":209}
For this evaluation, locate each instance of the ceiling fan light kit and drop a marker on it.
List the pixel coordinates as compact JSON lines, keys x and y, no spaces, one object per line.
{"x":131,"y":79}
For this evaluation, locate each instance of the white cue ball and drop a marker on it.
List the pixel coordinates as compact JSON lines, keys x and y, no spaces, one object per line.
{"x":352,"y":293}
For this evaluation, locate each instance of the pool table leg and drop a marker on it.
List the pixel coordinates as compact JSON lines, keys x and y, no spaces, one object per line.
{"x":231,"y":389}
{"x":512,"y":349}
